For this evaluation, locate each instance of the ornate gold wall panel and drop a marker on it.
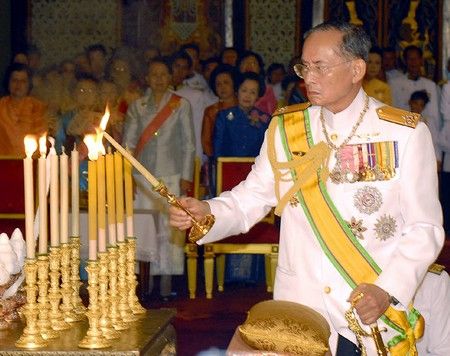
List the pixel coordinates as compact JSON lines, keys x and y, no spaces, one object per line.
{"x":63,"y":28}
{"x":272,"y":29}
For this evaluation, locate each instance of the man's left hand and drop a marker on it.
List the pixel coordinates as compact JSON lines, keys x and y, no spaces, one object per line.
{"x":372,"y":305}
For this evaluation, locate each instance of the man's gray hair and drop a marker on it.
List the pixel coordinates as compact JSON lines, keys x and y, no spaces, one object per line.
{"x":355,"y":41}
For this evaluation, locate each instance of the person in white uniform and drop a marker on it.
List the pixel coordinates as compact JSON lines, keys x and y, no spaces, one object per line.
{"x":403,"y":86}
{"x":160,"y":132}
{"x":378,"y":158}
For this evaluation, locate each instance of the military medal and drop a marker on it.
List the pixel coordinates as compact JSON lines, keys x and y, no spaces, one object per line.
{"x":357,"y":227}
{"x":368,"y":200}
{"x":385,"y":227}
{"x":230,"y":116}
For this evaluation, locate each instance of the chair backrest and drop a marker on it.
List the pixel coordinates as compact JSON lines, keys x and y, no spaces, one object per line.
{"x":12,"y":198}
{"x":233,"y":170}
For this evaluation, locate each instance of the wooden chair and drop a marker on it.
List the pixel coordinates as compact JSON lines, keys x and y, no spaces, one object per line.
{"x":262,"y":238}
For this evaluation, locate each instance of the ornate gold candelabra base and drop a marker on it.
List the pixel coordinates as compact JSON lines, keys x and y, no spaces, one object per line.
{"x":94,"y":338}
{"x":54,"y":295}
{"x":114,"y":314}
{"x":105,"y":322}
{"x":124,"y":309}
{"x":66,"y":289}
{"x":199,"y":228}
{"x":133,"y":300}
{"x":31,"y":337}
{"x":78,"y":306}
{"x":43,"y":302}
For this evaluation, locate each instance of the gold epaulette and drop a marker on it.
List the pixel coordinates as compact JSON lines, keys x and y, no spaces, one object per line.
{"x":291,"y":108}
{"x":398,"y":116}
{"x":436,"y":268}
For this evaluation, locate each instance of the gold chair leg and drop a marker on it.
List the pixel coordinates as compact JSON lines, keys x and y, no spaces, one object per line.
{"x":220,"y":271}
{"x":208,"y":260}
{"x":192,"y":258}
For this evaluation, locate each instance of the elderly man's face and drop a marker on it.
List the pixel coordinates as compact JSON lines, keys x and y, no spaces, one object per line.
{"x":19,"y":84}
{"x":329,"y":76}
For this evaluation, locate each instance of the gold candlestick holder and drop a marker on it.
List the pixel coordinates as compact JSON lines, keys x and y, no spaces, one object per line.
{"x":43,"y":322}
{"x":105,"y":322}
{"x":114,"y":314}
{"x":54,"y":293}
{"x":133,"y":300}
{"x":31,"y":337}
{"x":94,"y":338}
{"x":66,"y":307}
{"x":124,"y":309}
{"x":78,"y":306}
{"x":199,"y":228}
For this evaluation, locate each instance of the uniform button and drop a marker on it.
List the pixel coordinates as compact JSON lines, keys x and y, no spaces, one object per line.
{"x":327,"y":290}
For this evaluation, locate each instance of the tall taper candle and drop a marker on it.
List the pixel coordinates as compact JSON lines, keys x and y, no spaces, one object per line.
{"x":129,"y":197}
{"x":118,"y":168}
{"x":30,"y":146}
{"x":111,"y":197}
{"x":89,"y":140}
{"x":101,"y":204}
{"x":54,"y":199}
{"x":75,"y":213}
{"x":42,"y":183}
{"x":64,"y":204}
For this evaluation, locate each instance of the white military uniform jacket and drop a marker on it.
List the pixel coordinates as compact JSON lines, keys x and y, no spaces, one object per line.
{"x":410,"y":200}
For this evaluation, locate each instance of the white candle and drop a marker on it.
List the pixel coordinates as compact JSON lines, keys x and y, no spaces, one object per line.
{"x":30,"y":147}
{"x":43,"y":235}
{"x":54,"y":199}
{"x":111,"y":198}
{"x":129,"y":197}
{"x":118,"y":168}
{"x":101,"y":204}
{"x":74,"y":158}
{"x":64,"y":204}
{"x":89,"y":140}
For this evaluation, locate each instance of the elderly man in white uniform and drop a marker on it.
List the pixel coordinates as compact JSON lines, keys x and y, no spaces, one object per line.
{"x":375,"y":193}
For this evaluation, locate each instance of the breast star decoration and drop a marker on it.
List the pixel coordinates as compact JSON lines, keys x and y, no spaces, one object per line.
{"x":385,"y":227}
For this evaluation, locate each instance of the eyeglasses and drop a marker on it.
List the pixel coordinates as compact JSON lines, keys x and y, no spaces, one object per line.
{"x":317,"y":70}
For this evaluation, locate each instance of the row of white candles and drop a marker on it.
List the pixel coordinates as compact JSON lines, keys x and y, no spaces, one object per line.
{"x":59,"y":198}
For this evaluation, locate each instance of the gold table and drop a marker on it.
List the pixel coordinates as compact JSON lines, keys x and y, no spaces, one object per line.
{"x":153,"y":334}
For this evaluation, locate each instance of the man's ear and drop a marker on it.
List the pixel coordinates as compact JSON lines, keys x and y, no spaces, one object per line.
{"x":358,"y":70}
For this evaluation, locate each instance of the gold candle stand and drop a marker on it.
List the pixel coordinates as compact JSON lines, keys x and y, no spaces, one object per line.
{"x":43,"y":323}
{"x":66,"y":307}
{"x":124,"y":309}
{"x":114,"y":314}
{"x":133,"y":300}
{"x":31,"y":337}
{"x":54,"y":295}
{"x":94,"y":338}
{"x":199,"y":228}
{"x":78,"y":306}
{"x":105,"y":322}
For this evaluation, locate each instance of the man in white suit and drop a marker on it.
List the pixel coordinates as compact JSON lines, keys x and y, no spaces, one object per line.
{"x":374,"y":201}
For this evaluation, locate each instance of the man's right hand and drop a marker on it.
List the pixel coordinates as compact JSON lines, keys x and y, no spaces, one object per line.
{"x":181,"y":220}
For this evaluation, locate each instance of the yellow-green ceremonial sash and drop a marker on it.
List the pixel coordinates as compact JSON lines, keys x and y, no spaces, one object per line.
{"x":338,"y":242}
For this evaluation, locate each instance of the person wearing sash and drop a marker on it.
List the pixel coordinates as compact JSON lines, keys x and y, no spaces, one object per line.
{"x":159,"y":130}
{"x":359,"y":226}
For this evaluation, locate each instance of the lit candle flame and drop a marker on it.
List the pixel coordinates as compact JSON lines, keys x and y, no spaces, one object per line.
{"x":43,"y":145}
{"x":105,"y":119}
{"x":91,"y":144}
{"x":30,"y":145}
